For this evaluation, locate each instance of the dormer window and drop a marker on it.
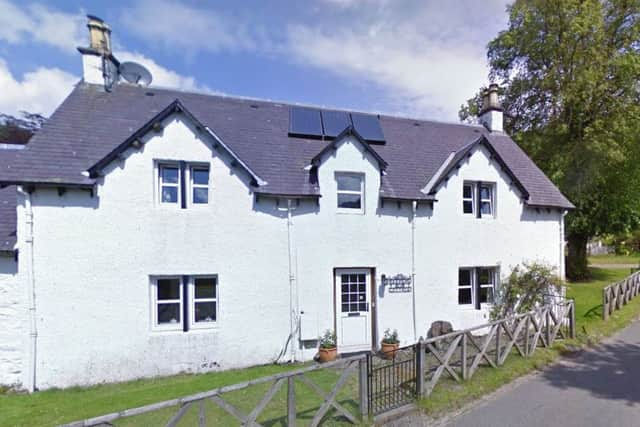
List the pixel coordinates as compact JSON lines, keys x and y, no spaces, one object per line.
{"x":478,"y":199}
{"x":350,"y":194}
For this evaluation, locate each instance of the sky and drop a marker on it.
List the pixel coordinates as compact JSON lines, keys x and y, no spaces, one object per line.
{"x":416,"y":58}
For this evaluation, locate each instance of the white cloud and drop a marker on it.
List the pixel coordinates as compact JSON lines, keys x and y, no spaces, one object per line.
{"x":189,"y":29}
{"x":39,"y":91}
{"x":163,"y":76}
{"x":428,"y":58}
{"x":41,"y":24}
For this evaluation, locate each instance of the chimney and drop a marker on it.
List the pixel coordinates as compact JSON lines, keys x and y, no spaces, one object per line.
{"x":99,"y":66}
{"x":491,"y":113}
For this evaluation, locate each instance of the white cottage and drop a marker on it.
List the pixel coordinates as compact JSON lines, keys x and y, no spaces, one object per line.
{"x":147,"y":231}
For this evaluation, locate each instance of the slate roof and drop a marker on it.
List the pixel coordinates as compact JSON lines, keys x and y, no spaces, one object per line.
{"x":91,"y":123}
{"x":7,"y":205}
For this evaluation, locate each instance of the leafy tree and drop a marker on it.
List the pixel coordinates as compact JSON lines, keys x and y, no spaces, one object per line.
{"x":524,"y":289}
{"x":569,"y":72}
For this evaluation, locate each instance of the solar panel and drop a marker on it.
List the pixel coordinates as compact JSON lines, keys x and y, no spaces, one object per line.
{"x":334,"y":122}
{"x":368,"y":127}
{"x":305,"y":122}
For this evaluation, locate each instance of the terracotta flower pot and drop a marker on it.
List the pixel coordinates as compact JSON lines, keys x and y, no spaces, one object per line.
{"x":389,"y":350}
{"x":328,"y":354}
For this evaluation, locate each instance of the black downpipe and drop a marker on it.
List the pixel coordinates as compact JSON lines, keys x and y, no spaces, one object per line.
{"x":478,"y":201}
{"x":476,"y":273}
{"x":183,"y":185}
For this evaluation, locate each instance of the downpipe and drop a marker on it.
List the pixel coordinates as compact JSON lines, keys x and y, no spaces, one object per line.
{"x":31,"y":293}
{"x":414,"y":208}
{"x":293,"y":302}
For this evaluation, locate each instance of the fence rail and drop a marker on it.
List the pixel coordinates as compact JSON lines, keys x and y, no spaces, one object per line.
{"x":413,"y":372}
{"x":619,"y":294}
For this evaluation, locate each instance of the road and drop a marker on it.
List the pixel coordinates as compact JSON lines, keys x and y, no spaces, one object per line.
{"x":600,"y":387}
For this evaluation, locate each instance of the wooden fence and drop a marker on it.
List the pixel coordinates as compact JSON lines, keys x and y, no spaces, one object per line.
{"x":618,"y":294}
{"x":460,"y":353}
{"x":347,"y":367}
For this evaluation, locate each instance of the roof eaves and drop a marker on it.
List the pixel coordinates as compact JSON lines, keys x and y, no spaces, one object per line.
{"x":349,"y":130}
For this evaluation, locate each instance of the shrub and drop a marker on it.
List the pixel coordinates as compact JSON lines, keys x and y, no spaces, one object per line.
{"x":390,"y":337}
{"x":328,"y":339}
{"x":524,"y":289}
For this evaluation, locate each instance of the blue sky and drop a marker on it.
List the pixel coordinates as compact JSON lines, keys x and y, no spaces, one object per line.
{"x":410,"y":57}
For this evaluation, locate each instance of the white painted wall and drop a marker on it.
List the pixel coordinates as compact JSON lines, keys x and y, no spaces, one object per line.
{"x":94,"y":256}
{"x":13,"y":332}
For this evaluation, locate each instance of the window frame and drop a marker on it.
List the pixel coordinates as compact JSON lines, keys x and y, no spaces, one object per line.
{"x":360,"y":193}
{"x":192,"y":302}
{"x":156,"y":326}
{"x":467,"y":199}
{"x":476,"y":286}
{"x":192,"y":185}
{"x":161,"y":183}
{"x":490,"y":200}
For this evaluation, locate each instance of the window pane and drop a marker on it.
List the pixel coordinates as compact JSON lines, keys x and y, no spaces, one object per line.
{"x":169,"y":313}
{"x":485,"y":192}
{"x":205,"y":288}
{"x":353,"y":307}
{"x":200,"y":176}
{"x":464,"y":296}
{"x":349,"y":201}
{"x":467,"y":192}
{"x":464,"y":277}
{"x":205,"y":312}
{"x":169,"y":194}
{"x":169,"y":175}
{"x":485,"y":276}
{"x":485,"y":208}
{"x":486,"y":295}
{"x":361,"y":287}
{"x":349,"y":182}
{"x":345,"y":308}
{"x":201,"y":195}
{"x":363,"y":306}
{"x":168,"y":289}
{"x":467,"y":207}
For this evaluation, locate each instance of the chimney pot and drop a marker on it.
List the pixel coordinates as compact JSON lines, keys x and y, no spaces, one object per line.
{"x":491,"y":115}
{"x":99,"y":35}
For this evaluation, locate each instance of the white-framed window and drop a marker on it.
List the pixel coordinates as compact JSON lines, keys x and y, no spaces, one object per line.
{"x":485,"y":192}
{"x":199,"y":183}
{"x":476,"y":285}
{"x":486,"y":199}
{"x":350,"y":194}
{"x":468,"y":205}
{"x":167,"y":304}
{"x":204,"y":301}
{"x":169,"y":183}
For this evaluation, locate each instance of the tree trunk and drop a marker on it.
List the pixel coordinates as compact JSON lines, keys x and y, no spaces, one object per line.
{"x":577,"y":257}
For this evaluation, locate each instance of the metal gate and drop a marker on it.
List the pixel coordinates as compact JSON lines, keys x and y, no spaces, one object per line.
{"x":391,"y":383}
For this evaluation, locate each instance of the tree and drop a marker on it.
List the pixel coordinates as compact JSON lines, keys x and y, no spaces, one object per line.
{"x":569,"y":73}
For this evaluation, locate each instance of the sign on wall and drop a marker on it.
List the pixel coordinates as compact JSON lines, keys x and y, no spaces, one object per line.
{"x":397,"y":284}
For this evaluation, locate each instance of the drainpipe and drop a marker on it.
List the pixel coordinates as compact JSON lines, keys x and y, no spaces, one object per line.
{"x":414,"y":208}
{"x":31,"y":293}
{"x":293,"y":310}
{"x":562,"y":246}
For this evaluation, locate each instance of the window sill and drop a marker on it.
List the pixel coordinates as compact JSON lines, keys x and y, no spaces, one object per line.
{"x":350,"y":211}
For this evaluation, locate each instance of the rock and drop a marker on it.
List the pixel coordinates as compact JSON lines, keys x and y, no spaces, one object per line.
{"x":439,"y":327}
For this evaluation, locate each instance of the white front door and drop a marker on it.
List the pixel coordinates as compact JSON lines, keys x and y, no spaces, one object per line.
{"x":353,"y":310}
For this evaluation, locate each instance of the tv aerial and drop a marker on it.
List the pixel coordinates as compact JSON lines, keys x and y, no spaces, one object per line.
{"x":135,"y":73}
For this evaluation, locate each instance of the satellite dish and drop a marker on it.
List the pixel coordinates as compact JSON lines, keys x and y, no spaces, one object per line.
{"x":135,"y":73}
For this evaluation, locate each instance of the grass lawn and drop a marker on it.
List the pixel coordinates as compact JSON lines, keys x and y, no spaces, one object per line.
{"x":590,"y":328}
{"x":53,"y":407}
{"x":615,"y":259}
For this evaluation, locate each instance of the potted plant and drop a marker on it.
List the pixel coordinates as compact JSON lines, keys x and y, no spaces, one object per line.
{"x":328,"y":350}
{"x":390,"y":343}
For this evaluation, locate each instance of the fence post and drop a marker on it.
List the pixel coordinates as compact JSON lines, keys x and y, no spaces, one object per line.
{"x":420,"y":368}
{"x":463,"y":356}
{"x":572,"y":320}
{"x":363,"y":381}
{"x":547,"y":331}
{"x":605,"y":304}
{"x":526,"y":335}
{"x":291,"y":401}
{"x":498,"y":344}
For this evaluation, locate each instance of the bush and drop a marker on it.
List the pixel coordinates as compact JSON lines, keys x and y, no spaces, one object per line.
{"x":524,"y":289}
{"x":328,"y":339}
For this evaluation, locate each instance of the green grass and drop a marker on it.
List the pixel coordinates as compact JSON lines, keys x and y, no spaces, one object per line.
{"x":615,"y":259}
{"x":53,"y":407}
{"x":590,"y":328}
